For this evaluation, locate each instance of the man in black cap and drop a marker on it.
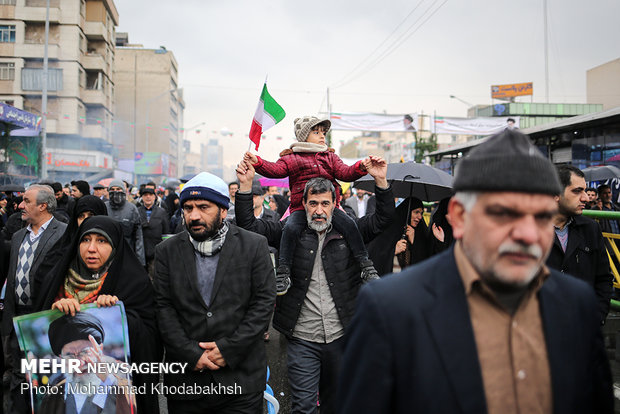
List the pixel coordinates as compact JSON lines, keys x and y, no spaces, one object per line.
{"x":258,"y":198}
{"x":484,"y":326}
{"x":81,"y":337}
{"x":100,"y":191}
{"x":154,"y":220}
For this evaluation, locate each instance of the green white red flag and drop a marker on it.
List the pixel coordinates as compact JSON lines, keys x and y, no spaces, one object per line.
{"x":268,"y":113}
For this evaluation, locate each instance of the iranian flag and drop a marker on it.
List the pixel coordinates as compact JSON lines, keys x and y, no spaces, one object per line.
{"x":268,"y":113}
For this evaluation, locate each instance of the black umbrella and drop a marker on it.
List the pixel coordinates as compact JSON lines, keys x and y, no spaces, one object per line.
{"x":187,"y":177}
{"x":411,"y":179}
{"x":601,"y":172}
{"x":16,"y":188}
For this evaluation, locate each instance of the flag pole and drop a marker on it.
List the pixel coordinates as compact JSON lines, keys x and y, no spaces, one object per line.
{"x":265,"y":83}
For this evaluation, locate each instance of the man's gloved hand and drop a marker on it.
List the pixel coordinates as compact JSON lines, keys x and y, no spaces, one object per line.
{"x":283,"y":280}
{"x":368,"y":271}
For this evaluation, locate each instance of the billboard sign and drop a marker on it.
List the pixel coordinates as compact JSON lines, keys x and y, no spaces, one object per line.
{"x":511,"y":90}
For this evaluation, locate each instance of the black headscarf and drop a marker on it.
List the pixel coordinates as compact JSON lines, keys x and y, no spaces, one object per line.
{"x":127,"y":279}
{"x":87,"y":203}
{"x":169,"y":200}
{"x":62,"y":247}
{"x":381,"y":248}
{"x":422,"y":243}
{"x":439,"y":218}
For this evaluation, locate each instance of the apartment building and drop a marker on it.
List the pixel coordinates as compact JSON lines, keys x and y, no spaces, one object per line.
{"x":80,"y":81}
{"x":148,"y":128}
{"x":603,"y":84}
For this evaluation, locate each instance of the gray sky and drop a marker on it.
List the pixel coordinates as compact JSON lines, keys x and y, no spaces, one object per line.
{"x":226,"y":48}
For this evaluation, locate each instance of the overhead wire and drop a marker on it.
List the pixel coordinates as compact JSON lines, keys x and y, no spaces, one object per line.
{"x":382,"y":43}
{"x":365,"y":68}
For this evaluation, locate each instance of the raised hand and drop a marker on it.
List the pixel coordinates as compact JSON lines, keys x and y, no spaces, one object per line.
{"x":438,"y":233}
{"x":248,"y":156}
{"x":245,"y":175}
{"x":377,"y":168}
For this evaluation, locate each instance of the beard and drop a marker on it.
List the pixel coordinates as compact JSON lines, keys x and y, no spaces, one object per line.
{"x":83,"y":381}
{"x":208,"y":230}
{"x":316,"y":225}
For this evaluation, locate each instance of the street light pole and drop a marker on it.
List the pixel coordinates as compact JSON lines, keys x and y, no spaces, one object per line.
{"x":467,"y":103}
{"x":44,"y":92}
{"x":184,"y":135}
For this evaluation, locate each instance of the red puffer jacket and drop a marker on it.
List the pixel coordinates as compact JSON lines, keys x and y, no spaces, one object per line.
{"x":300,"y":167}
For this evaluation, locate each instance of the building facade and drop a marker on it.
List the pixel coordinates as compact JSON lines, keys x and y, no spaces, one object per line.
{"x":148,"y":126}
{"x":81,"y":55}
{"x":603,"y":84}
{"x":212,"y":154}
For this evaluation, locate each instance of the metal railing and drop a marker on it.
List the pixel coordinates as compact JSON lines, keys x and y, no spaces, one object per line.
{"x":614,"y":254}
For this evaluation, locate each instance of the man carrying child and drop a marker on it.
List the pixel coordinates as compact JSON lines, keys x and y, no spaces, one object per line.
{"x":326,"y":277}
{"x":307,"y":159}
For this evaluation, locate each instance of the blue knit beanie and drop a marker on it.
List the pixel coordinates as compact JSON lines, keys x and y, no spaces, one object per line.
{"x":206,"y":186}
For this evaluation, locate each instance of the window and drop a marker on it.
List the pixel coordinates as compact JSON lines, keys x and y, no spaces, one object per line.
{"x":7,"y":71}
{"x":32,"y":79}
{"x":7,"y":2}
{"x":7,"y":34}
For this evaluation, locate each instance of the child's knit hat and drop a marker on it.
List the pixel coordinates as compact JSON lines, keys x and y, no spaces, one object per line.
{"x":304,"y":125}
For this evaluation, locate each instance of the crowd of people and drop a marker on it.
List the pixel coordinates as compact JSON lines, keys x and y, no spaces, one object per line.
{"x":497,"y":307}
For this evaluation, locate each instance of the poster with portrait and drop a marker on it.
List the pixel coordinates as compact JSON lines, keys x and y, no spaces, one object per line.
{"x":75,"y":361}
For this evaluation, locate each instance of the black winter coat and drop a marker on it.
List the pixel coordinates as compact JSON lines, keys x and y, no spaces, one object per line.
{"x":153,"y":230}
{"x":586,"y":259}
{"x":341,"y":269}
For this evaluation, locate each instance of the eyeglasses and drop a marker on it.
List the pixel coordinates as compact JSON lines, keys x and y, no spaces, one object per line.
{"x":80,"y":355}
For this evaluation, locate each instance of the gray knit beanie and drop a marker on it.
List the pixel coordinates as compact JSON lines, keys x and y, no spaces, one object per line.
{"x":304,"y":125}
{"x":117,"y":183}
{"x":507,"y":162}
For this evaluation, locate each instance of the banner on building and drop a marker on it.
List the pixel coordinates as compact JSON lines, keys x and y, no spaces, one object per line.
{"x":512,"y":90}
{"x":18,"y":118}
{"x":473,"y":126}
{"x":364,"y":121}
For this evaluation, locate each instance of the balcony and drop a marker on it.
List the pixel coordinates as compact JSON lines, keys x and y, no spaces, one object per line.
{"x":93,"y":61}
{"x":36,"y":14}
{"x":36,"y":50}
{"x":93,"y":97}
{"x":95,"y":31}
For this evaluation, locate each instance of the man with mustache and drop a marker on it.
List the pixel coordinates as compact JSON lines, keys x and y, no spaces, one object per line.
{"x":325,"y":279}
{"x":215,"y":290}
{"x":484,"y":327}
{"x":578,"y":246}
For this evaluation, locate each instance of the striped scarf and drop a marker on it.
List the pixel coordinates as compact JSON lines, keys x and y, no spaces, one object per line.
{"x":213,"y":245}
{"x":81,"y":289}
